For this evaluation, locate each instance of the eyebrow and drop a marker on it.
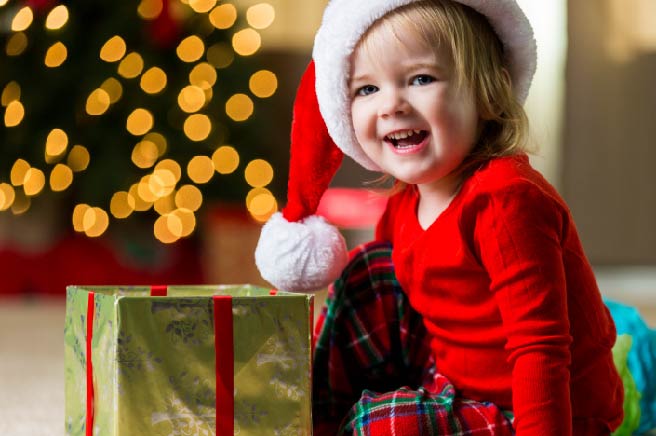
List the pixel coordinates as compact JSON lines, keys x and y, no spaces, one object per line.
{"x":360,"y":78}
{"x":413,"y":67}
{"x":428,"y":66}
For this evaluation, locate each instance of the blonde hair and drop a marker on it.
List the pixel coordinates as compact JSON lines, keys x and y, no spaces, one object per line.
{"x":477,"y":55}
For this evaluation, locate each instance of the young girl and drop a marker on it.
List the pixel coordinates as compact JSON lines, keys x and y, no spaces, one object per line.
{"x":475,"y":311}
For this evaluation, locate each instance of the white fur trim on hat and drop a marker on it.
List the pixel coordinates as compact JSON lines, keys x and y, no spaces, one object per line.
{"x":302,"y":256}
{"x":344,"y":23}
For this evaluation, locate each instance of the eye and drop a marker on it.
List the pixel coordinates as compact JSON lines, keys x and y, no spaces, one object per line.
{"x":423,"y":79}
{"x":366,"y":90}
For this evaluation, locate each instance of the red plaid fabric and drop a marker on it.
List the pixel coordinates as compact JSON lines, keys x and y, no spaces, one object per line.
{"x":373,"y":373}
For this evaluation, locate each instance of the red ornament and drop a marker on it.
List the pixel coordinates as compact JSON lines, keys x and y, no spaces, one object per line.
{"x":164,"y":31}
{"x":41,"y":6}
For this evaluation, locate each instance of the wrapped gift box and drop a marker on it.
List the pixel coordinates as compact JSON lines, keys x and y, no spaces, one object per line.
{"x":187,"y":360}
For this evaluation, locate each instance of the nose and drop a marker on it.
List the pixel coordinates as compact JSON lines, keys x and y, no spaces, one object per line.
{"x":394,"y":103}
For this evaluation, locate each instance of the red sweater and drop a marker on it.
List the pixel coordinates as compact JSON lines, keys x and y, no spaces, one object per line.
{"x":510,"y":299}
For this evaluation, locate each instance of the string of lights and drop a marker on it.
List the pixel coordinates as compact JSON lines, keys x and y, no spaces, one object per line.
{"x":132,"y":126}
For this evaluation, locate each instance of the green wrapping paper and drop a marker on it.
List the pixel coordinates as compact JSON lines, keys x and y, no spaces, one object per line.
{"x":154,"y":361}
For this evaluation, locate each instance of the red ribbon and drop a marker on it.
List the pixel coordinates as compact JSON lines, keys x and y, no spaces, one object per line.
{"x":313,"y":340}
{"x":225,"y":373}
{"x":158,"y":291}
{"x":91,"y":309}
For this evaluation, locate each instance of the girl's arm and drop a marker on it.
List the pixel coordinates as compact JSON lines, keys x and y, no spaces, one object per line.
{"x":519,"y":236}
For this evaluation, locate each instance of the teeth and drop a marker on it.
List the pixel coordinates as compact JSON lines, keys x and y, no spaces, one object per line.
{"x":402,"y":134}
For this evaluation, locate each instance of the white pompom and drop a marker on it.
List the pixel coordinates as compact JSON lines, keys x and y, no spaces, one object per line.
{"x":300,"y":256}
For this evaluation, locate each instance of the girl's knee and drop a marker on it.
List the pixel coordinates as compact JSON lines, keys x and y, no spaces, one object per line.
{"x":370,"y":268}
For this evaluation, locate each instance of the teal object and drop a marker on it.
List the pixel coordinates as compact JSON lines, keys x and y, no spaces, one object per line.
{"x":641,"y":359}
{"x":631,"y":395}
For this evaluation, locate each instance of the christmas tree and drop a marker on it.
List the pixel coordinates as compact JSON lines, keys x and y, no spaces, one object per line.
{"x":134,"y":110}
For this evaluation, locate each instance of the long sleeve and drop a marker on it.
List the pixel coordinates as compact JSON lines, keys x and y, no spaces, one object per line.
{"x":518,"y":236}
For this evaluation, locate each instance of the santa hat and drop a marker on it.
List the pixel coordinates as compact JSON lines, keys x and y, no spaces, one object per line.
{"x":298,"y":250}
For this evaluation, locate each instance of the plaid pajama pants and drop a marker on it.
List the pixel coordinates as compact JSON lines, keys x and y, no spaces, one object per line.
{"x":373,"y":370}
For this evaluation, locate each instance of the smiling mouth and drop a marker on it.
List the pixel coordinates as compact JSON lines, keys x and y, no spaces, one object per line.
{"x":407,"y":139}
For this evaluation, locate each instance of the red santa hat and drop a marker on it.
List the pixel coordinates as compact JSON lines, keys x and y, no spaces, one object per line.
{"x":298,"y":250}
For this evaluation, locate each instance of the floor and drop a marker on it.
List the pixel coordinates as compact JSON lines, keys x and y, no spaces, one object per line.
{"x":32,"y":367}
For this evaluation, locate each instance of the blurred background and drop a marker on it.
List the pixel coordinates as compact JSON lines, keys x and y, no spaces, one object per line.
{"x":145,"y":141}
{"x":142,"y":141}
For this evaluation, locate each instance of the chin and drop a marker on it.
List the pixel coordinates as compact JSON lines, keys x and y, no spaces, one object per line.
{"x":412,"y":179}
{"x":418,"y":176}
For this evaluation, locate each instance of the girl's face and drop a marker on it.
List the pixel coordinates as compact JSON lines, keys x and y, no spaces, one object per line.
{"x":408,"y":113}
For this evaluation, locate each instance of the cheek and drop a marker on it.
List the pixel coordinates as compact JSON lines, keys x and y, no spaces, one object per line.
{"x":464,"y":118}
{"x":361,"y":121}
